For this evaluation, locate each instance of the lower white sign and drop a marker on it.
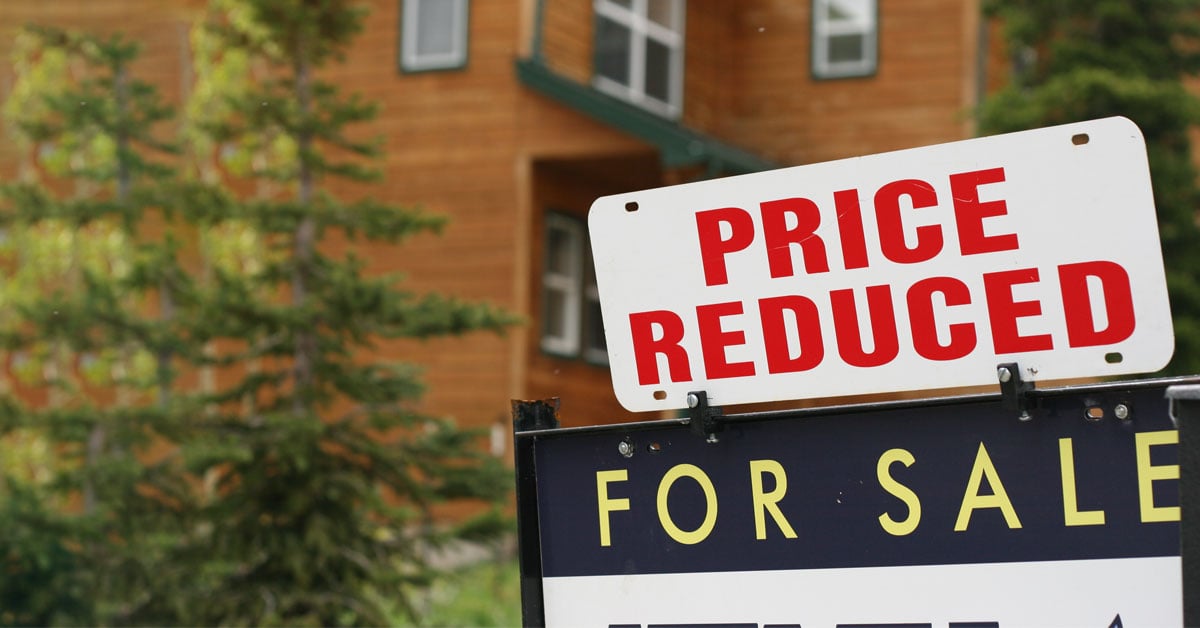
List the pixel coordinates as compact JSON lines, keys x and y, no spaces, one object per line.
{"x":1098,"y":593}
{"x":910,"y":270}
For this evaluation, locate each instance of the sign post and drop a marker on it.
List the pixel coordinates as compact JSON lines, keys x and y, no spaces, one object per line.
{"x":1185,"y":411}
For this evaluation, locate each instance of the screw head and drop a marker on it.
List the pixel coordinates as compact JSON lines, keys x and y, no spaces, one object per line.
{"x":693,"y":400}
{"x":712,"y":438}
{"x":1121,"y":411}
{"x":1004,"y":374}
{"x":626,"y":448}
{"x":1025,"y":416}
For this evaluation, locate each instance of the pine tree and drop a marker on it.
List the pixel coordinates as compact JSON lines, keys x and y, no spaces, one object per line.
{"x":88,"y":527}
{"x":228,"y":448}
{"x":322,"y":473}
{"x":1083,"y":59}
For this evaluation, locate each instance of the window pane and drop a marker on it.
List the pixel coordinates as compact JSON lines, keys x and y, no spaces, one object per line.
{"x":658,"y":71}
{"x":662,"y":12}
{"x":435,"y":27}
{"x":846,"y":48}
{"x":844,"y":38}
{"x":555,"y":316}
{"x":559,"y":251}
{"x":593,"y":333}
{"x":612,"y":50}
{"x":840,"y":10}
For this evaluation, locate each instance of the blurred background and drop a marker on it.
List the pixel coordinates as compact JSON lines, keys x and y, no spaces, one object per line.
{"x":273,"y":269}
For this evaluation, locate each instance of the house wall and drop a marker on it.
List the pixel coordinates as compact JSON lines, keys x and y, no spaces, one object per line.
{"x":748,"y":78}
{"x":450,"y":140}
{"x":463,"y":143}
{"x":492,"y":155}
{"x":921,"y":93}
{"x":161,"y":28}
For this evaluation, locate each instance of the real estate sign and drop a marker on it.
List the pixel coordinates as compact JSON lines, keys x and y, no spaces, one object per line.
{"x":949,"y":513}
{"x":909,"y":270}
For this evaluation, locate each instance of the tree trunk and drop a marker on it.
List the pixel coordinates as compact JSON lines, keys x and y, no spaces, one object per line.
{"x":305,"y":236}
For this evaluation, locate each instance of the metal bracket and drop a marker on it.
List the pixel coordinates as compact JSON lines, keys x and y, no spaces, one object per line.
{"x":705,"y":419}
{"x":1183,"y":400}
{"x":1014,"y":391}
{"x":538,"y":414}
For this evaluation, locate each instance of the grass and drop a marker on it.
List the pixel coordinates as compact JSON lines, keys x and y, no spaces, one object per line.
{"x":482,"y":595}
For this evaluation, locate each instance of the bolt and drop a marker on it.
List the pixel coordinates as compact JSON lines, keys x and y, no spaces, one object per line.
{"x":712,"y":438}
{"x":1004,"y":374}
{"x":1025,"y":415}
{"x":1121,"y":411}
{"x":626,"y":448}
{"x":693,"y":400}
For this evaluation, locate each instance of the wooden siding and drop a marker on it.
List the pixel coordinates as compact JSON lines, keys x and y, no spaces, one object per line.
{"x":748,"y":78}
{"x":450,"y":141}
{"x":916,"y":97}
{"x":567,"y":44}
{"x":459,"y":143}
{"x":161,"y":27}
{"x":711,"y":66}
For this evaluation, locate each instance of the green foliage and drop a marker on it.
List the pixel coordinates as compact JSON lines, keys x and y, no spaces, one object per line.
{"x":483,"y":594}
{"x":296,"y":488}
{"x":86,"y":519}
{"x":44,"y":579}
{"x":1083,"y":59}
{"x":324,"y":474}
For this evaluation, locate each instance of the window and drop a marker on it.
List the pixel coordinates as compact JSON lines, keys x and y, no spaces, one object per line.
{"x":433,"y":35}
{"x":571,"y":323}
{"x":845,"y":37}
{"x":639,"y":52}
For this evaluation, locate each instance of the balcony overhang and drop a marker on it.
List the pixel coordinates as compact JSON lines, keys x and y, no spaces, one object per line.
{"x":678,"y":145}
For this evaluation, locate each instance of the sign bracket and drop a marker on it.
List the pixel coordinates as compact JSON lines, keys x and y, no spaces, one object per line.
{"x":706,"y":420}
{"x":1014,"y":390}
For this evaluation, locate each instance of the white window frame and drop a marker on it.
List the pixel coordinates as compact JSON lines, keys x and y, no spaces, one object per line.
{"x":577,"y":285}
{"x":411,"y":60}
{"x":641,"y":27}
{"x":866,"y":23}
{"x":568,"y":282}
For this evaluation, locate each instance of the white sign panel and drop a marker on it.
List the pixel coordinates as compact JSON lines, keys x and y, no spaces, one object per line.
{"x":910,"y":270}
{"x":1101,"y":593}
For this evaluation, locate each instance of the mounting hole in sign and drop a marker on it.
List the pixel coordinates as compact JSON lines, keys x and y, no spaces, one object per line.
{"x":654,"y":448}
{"x":1113,"y":358}
{"x":659,"y":395}
{"x":1094,"y":413}
{"x":1079,"y":139}
{"x":631,"y":206}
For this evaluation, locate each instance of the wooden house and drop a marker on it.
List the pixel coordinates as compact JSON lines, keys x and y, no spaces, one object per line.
{"x":512,"y":116}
